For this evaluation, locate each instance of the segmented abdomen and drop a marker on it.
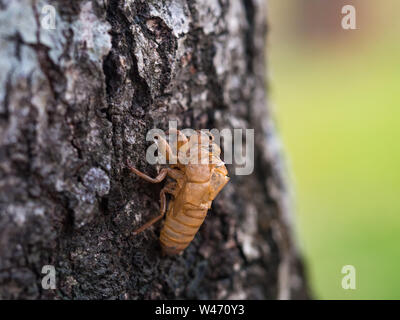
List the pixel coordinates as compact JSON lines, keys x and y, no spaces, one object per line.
{"x":179,"y":230}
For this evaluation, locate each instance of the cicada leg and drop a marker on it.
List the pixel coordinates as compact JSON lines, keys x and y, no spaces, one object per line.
{"x":158,"y":179}
{"x":169,"y":188}
{"x":163,"y":207}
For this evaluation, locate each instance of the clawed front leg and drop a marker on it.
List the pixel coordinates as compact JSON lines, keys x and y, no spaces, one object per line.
{"x":173,"y":173}
{"x":158,"y":179}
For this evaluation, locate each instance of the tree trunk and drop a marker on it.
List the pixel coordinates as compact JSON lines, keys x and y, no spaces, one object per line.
{"x":76,"y":103}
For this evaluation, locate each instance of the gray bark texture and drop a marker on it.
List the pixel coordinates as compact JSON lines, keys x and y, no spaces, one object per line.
{"x":76,"y":103}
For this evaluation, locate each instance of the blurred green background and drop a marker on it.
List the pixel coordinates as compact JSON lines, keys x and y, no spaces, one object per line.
{"x":337,"y":98}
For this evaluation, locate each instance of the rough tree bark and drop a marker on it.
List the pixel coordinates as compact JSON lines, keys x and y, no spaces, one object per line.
{"x":76,"y":103}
